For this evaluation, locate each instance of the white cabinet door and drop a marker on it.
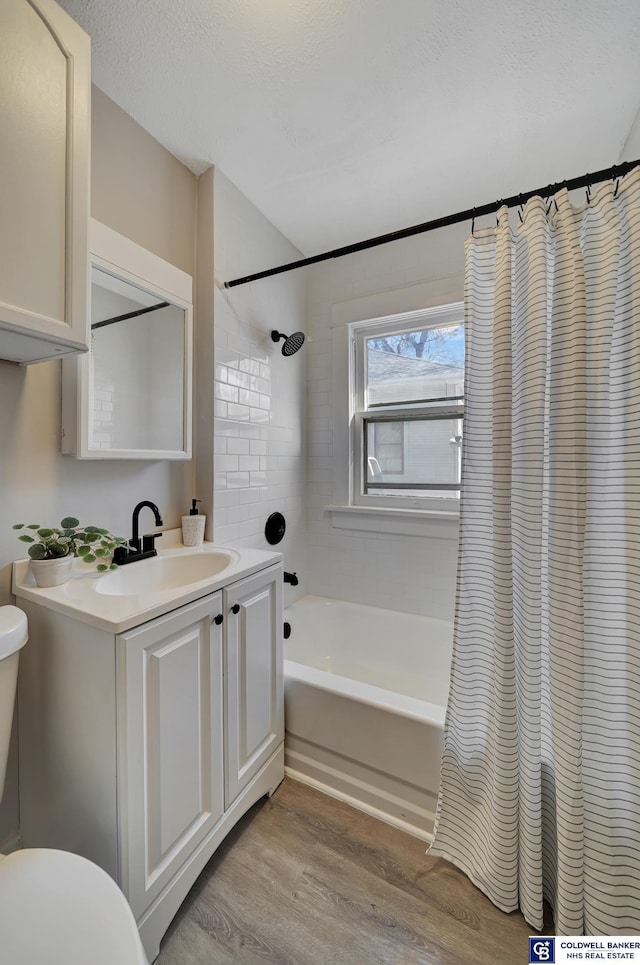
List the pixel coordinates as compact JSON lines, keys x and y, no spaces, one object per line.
{"x":253,"y":676}
{"x":170,"y":720}
{"x":45,"y":90}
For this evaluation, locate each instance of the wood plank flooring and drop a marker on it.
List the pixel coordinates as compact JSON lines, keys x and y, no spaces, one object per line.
{"x":307,"y":880}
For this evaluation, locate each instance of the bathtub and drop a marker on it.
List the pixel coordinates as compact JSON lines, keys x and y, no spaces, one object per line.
{"x":365,"y":697}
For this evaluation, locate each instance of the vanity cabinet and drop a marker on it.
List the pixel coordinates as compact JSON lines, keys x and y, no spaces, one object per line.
{"x":171,"y":746}
{"x":45,"y":90}
{"x":253,"y":678}
{"x":141,"y":749}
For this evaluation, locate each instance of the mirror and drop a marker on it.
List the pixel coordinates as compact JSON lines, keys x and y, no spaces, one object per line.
{"x":130,"y":397}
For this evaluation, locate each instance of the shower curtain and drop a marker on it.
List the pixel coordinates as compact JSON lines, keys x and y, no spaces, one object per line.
{"x":540,"y":782}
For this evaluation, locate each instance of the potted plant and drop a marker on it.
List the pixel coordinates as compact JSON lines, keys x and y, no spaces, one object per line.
{"x":52,"y":549}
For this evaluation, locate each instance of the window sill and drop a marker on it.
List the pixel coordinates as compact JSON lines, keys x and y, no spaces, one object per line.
{"x":399,"y":522}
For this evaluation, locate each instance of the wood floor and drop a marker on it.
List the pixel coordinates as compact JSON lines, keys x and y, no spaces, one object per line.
{"x":306,"y":880}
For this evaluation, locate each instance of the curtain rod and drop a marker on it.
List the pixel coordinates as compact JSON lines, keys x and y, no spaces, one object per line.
{"x":617,"y":171}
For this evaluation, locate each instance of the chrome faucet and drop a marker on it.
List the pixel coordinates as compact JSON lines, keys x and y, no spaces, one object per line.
{"x":138,"y":549}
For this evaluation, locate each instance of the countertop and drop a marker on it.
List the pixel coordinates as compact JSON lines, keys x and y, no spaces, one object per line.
{"x":81,"y":597}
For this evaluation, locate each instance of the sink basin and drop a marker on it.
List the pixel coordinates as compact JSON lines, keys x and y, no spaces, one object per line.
{"x":162,"y":573}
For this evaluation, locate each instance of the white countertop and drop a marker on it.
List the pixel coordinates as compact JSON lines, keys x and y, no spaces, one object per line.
{"x":81,"y":598}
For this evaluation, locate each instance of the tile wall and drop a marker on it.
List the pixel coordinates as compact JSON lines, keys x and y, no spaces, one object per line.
{"x":415,"y":574}
{"x":259,"y":451}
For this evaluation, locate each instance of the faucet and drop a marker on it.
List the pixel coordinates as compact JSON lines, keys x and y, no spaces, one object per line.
{"x":139,"y":549}
{"x":291,"y":578}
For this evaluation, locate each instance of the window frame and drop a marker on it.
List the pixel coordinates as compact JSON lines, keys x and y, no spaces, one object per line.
{"x":361,"y":415}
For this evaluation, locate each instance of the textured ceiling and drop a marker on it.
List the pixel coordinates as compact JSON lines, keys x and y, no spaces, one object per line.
{"x":341,"y":119}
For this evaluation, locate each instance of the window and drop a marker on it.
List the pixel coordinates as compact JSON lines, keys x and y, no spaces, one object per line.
{"x":388,"y":447}
{"x":408,"y":407}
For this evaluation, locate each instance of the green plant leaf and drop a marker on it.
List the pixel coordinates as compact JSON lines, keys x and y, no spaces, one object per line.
{"x":91,"y":529}
{"x":37,"y":552}
{"x":33,"y":526}
{"x":57,"y":550}
{"x":26,"y":539}
{"x":18,"y":525}
{"x":69,"y":522}
{"x":101,"y":567}
{"x":89,"y":558}
{"x":83,"y":550}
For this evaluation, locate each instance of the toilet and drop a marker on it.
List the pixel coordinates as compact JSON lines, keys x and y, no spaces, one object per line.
{"x":55,"y":907}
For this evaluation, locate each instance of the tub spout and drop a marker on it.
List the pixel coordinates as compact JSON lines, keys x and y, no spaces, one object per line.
{"x":291,"y":578}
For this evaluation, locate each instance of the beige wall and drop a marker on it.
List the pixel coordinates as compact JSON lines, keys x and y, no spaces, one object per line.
{"x":138,"y":187}
{"x":631,"y":148}
{"x":142,"y":191}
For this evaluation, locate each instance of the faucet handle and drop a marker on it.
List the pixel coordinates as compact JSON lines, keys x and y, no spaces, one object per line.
{"x":121,"y":555}
{"x":148,"y":542}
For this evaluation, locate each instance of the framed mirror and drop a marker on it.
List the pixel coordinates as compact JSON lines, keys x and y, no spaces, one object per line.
{"x":129,"y":397}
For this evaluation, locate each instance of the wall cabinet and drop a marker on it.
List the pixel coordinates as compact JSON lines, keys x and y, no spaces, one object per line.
{"x":130,"y":395}
{"x":141,"y":750}
{"x":45,"y":90}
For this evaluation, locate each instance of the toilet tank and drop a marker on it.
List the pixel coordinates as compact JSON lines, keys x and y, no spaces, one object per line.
{"x":13,"y":636}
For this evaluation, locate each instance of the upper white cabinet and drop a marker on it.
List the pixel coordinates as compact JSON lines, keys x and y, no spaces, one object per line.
{"x":45,"y":89}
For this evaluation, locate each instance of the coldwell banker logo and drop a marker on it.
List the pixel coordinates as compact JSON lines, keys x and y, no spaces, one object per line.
{"x":542,"y":950}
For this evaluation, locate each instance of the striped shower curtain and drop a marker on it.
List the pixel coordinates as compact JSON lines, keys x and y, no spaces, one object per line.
{"x":540,"y":784}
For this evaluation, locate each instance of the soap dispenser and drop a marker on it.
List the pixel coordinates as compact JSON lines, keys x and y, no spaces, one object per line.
{"x":193,"y":526}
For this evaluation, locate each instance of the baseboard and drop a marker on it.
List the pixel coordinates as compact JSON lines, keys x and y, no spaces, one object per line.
{"x":391,"y":808}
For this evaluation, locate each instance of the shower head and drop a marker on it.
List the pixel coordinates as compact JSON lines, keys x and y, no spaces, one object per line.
{"x":291,"y":342}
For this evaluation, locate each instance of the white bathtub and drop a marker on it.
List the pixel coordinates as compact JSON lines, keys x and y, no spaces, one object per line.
{"x":365,"y":697}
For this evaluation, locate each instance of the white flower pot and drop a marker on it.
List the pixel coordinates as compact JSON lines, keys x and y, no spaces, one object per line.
{"x":52,"y":572}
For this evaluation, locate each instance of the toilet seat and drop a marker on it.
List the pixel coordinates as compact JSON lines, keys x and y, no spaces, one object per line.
{"x":59,"y":908}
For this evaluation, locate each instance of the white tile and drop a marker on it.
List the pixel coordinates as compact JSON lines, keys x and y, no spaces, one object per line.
{"x":259,"y":415}
{"x":225,"y":498}
{"x":241,"y":379}
{"x":239,"y":446}
{"x":246,"y":397}
{"x":241,"y":413}
{"x":237,"y":480}
{"x":227,"y":392}
{"x":226,"y":534}
{"x":226,"y":463}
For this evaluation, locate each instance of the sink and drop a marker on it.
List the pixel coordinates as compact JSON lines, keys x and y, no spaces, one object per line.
{"x":162,"y":573}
